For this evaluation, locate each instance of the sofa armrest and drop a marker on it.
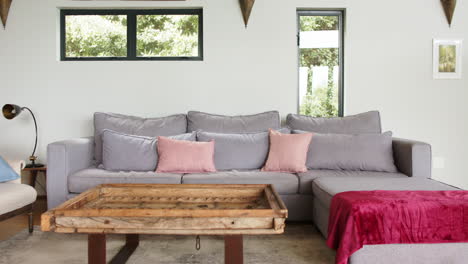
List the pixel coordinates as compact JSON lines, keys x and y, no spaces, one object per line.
{"x":63,"y":159}
{"x":413,"y":158}
{"x":17,"y":166}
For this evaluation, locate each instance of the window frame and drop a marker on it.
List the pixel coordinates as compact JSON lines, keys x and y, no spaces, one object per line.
{"x":340,"y":13}
{"x":131,"y":32}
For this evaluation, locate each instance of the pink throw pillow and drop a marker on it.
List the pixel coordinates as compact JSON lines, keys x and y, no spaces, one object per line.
{"x":288,"y":152}
{"x":179,"y":156}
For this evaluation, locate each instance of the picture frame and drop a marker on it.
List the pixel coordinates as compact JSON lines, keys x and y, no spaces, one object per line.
{"x":447,"y":58}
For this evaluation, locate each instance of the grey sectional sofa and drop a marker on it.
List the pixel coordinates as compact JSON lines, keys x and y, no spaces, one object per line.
{"x":74,"y":167}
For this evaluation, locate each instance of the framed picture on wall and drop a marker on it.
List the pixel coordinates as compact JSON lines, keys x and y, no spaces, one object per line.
{"x":447,"y":58}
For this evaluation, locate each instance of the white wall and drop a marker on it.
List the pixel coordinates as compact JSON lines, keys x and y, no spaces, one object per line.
{"x":388,"y":67}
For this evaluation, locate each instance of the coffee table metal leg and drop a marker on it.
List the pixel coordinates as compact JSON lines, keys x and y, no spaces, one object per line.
{"x":233,"y":249}
{"x":132,"y":242}
{"x":96,"y":248}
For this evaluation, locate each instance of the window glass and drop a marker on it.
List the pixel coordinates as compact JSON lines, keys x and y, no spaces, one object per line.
{"x":167,"y":35}
{"x":320,"y":71}
{"x":96,"y":36}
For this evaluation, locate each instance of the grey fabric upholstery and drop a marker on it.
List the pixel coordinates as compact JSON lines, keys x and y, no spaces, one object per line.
{"x":284,"y":183}
{"x":447,"y":253}
{"x":320,"y":216}
{"x":122,"y":152}
{"x":362,"y":152}
{"x":325,"y":188}
{"x":233,"y":124}
{"x":300,"y":207}
{"x":132,"y":125}
{"x":86,"y":179}
{"x":365,"y":123}
{"x":306,"y":178}
{"x":413,"y":158}
{"x":244,"y":151}
{"x":453,"y":253}
{"x":63,"y":159}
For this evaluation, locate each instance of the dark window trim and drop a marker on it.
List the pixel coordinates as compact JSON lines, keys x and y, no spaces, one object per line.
{"x":131,"y":32}
{"x":341,"y":16}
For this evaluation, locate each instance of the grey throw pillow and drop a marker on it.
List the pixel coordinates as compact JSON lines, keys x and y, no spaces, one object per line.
{"x":362,"y":152}
{"x":233,"y":124}
{"x":247,"y":151}
{"x":365,"y":123}
{"x":122,"y":152}
{"x":149,"y":127}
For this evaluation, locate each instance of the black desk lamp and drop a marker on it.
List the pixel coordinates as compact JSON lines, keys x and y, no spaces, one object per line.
{"x":11,"y":111}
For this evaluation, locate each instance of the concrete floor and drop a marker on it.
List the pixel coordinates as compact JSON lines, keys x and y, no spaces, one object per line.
{"x":301,"y":243}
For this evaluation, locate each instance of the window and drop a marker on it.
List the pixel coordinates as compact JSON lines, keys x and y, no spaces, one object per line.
{"x":171,"y":34}
{"x":320,"y":41}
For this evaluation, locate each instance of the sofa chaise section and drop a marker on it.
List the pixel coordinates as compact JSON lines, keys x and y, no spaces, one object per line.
{"x":307,"y":178}
{"x":325,"y":188}
{"x":448,"y":253}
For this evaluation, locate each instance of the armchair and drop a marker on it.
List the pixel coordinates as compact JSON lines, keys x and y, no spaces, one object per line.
{"x":17,"y":198}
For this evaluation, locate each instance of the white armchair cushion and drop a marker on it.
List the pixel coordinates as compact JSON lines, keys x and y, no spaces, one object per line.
{"x":14,"y":196}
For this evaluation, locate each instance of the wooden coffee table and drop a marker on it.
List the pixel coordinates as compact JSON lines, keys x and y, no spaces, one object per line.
{"x":184,"y":209}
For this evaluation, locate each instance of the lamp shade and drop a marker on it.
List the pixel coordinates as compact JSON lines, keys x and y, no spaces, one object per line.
{"x":11,"y":111}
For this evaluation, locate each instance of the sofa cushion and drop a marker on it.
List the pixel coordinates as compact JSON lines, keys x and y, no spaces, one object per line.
{"x":364,"y":123}
{"x":326,"y":187}
{"x":364,"y":152}
{"x":245,"y":151}
{"x":284,"y":183}
{"x":180,"y":156}
{"x":233,"y":124}
{"x":14,"y":196}
{"x":122,"y":152}
{"x":89,"y":178}
{"x":306,"y":178}
{"x":150,"y":127}
{"x":288,"y":153}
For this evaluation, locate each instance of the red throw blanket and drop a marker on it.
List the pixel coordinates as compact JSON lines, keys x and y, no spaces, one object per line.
{"x":395,"y":217}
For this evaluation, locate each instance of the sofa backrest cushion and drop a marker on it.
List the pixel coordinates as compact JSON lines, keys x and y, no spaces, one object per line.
{"x":360,"y":152}
{"x":122,"y":152}
{"x":365,"y":123}
{"x":150,"y":127}
{"x":233,"y":124}
{"x":246,"y":151}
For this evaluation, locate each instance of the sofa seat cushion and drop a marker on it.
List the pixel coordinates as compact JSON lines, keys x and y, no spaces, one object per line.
{"x":306,"y":178}
{"x":326,"y":187}
{"x":14,"y":196}
{"x":284,"y":183}
{"x":89,"y":178}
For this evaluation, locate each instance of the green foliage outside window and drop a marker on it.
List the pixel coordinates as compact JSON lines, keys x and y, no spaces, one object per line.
{"x":106,"y":35}
{"x":96,"y":36}
{"x":167,"y":35}
{"x":322,"y":101}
